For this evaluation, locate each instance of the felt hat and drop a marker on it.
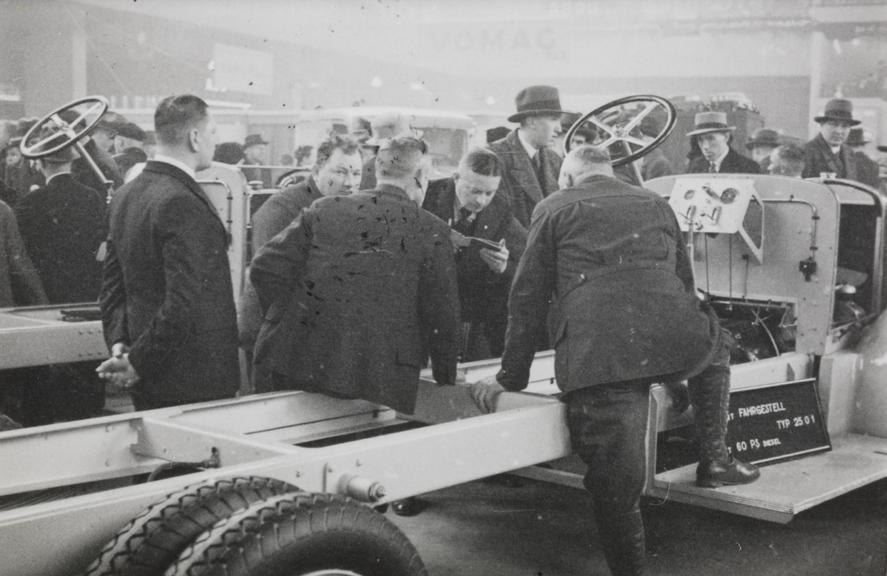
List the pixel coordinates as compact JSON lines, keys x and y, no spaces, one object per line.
{"x":536,"y":101}
{"x":711,"y":121}
{"x":858,"y":137}
{"x":254,"y":140}
{"x":763,"y":137}
{"x":839,"y":109}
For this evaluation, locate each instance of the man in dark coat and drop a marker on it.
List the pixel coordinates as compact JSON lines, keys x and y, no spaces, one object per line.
{"x":627,"y":316}
{"x":468,"y":201}
{"x":714,"y":136}
{"x":827,"y":153}
{"x":336,"y":172}
{"x":19,"y":283}
{"x":167,"y":300}
{"x":530,"y":166}
{"x":867,"y":170}
{"x":63,"y":226}
{"x":360,"y":288}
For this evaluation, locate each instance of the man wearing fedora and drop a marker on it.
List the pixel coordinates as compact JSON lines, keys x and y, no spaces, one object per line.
{"x":827,"y":153}
{"x":762,"y":142}
{"x":866,"y":168}
{"x":530,"y":166}
{"x":714,"y":136}
{"x":254,"y":149}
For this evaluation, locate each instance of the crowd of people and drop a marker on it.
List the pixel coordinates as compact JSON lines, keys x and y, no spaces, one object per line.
{"x":365,"y":272}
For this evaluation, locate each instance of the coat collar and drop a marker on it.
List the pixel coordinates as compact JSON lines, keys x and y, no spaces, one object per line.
{"x":522,"y":167}
{"x":184,"y":178}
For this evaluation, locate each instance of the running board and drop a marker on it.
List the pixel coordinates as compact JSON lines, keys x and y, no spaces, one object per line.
{"x":785,"y":489}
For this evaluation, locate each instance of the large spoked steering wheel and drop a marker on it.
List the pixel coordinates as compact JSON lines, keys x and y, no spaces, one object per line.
{"x":63,"y":127}
{"x":618,"y":125}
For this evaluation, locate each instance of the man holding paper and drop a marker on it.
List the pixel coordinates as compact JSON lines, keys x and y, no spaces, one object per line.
{"x":489,"y":242}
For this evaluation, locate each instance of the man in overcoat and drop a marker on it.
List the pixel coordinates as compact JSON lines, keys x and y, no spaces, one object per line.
{"x":714,"y":136}
{"x":827,"y":153}
{"x":360,"y":288}
{"x":336,"y":172}
{"x":530,"y":166}
{"x":167,"y":299}
{"x":468,"y":201}
{"x":627,"y":315}
{"x":63,"y":225}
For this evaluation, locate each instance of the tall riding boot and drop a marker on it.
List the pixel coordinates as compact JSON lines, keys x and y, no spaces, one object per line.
{"x":710,"y":394}
{"x":622,"y":537}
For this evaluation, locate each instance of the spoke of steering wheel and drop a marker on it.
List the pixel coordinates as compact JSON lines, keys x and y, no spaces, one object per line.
{"x":641,"y":115}
{"x":606,"y":128}
{"x":633,"y":140}
{"x":52,"y":136}
{"x":89,"y":111}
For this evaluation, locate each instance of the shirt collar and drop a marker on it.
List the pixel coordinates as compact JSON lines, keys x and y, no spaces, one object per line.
{"x":531,"y":150}
{"x":177,"y":163}
{"x":717,"y":161}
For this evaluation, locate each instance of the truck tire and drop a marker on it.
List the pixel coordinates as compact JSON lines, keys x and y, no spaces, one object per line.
{"x":153,"y":540}
{"x":302,"y":534}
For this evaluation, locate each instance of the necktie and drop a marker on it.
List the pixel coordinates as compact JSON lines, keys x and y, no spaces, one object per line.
{"x":464,"y":224}
{"x":712,"y":168}
{"x":539,"y":167}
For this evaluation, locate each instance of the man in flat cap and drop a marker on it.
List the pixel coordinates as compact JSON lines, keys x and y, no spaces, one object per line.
{"x":827,"y":153}
{"x":714,"y":136}
{"x":255,"y":149}
{"x":530,"y":166}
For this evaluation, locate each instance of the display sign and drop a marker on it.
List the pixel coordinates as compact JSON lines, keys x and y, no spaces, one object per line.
{"x":776,"y":422}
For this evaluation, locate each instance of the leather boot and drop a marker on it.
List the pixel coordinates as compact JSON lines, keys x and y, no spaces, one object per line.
{"x":622,"y":538}
{"x":710,"y":395}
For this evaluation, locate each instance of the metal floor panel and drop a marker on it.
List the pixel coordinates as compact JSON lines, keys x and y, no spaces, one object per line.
{"x":787,"y":488}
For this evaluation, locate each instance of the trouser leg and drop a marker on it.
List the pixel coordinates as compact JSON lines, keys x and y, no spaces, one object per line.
{"x":608,"y":427}
{"x":710,"y":395}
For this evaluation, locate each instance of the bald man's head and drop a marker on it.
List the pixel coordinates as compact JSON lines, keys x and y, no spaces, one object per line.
{"x":583,"y":162}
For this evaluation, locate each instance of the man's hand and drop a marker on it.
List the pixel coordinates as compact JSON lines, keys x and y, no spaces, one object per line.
{"x":117,"y":370}
{"x":497,"y":260}
{"x":485,"y":394}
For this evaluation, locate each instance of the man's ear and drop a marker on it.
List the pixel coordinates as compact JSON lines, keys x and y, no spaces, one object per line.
{"x":194,"y":139}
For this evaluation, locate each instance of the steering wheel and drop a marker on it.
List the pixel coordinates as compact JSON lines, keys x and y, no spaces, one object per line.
{"x":66,"y":128}
{"x":620,"y":119}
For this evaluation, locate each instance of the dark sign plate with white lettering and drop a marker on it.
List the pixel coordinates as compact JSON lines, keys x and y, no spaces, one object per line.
{"x":776,"y":422}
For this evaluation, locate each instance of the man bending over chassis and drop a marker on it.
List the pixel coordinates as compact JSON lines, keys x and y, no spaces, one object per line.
{"x":626,"y":316}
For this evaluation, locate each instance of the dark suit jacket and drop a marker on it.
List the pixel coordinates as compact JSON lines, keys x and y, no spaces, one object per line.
{"x":167,"y":288}
{"x":19,"y":283}
{"x":276,"y":213}
{"x":733,"y":163}
{"x":867,"y":170}
{"x":483,"y":294}
{"x":519,"y":185}
{"x":351,"y":291}
{"x":614,"y":257}
{"x":818,"y":158}
{"x":63,"y":225}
